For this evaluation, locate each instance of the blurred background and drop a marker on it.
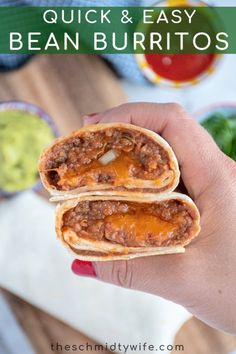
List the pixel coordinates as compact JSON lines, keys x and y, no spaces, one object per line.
{"x":41,"y":302}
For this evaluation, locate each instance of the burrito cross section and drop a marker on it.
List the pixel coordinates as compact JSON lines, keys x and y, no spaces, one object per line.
{"x":116,"y":183}
{"x":116,"y":157}
{"x":129,"y":223}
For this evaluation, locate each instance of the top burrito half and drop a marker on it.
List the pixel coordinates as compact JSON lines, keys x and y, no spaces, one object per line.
{"x":109,"y":157}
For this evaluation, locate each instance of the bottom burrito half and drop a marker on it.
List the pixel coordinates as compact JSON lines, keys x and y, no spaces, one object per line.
{"x":103,"y":228}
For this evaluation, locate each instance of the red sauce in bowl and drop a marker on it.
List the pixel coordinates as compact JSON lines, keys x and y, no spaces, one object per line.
{"x":179,"y":67}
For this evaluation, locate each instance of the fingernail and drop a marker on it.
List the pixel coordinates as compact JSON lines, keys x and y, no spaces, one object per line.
{"x":83,"y":268}
{"x":90,"y":118}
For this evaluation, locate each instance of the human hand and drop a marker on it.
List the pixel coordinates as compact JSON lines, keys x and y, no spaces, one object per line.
{"x":203,"y":279}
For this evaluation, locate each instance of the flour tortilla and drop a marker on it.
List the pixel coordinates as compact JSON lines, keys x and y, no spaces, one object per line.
{"x":95,"y":250}
{"x":137,"y":185}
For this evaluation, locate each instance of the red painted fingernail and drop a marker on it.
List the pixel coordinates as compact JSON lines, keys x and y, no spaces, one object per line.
{"x":83,"y":268}
{"x":90,"y":118}
{"x":90,"y":115}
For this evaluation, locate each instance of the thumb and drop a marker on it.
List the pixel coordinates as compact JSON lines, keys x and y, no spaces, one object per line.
{"x":159,"y":275}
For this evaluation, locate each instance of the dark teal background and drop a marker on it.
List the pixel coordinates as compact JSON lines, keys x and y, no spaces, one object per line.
{"x":30,"y":19}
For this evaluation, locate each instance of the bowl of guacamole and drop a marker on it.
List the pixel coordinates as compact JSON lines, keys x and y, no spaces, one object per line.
{"x":220,"y":122}
{"x":25,"y":130}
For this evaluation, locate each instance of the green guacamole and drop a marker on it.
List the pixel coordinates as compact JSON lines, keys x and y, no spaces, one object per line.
{"x":23,"y":135}
{"x":223,"y":130}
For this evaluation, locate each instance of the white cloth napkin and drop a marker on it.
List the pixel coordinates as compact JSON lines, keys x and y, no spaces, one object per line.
{"x":35,"y":266}
{"x":12,"y":337}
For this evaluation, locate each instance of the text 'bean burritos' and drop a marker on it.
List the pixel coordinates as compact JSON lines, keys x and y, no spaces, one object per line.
{"x":116,"y":185}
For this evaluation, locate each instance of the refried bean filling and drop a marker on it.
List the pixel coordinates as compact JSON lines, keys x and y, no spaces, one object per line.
{"x":130,"y":224}
{"x":75,"y":163}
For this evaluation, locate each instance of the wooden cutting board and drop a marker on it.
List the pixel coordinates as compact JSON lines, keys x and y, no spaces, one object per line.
{"x":67,"y":87}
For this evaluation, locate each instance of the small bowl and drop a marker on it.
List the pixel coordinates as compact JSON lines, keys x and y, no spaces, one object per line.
{"x":30,"y":108}
{"x":226,"y":108}
{"x":156,"y":78}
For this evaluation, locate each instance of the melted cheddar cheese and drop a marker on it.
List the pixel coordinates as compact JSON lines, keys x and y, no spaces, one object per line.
{"x":140,"y":228}
{"x":120,"y":171}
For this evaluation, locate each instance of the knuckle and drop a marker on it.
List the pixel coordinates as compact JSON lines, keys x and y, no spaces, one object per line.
{"x":124,"y":107}
{"x":122,"y":273}
{"x":125,"y":112}
{"x":177,"y":108}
